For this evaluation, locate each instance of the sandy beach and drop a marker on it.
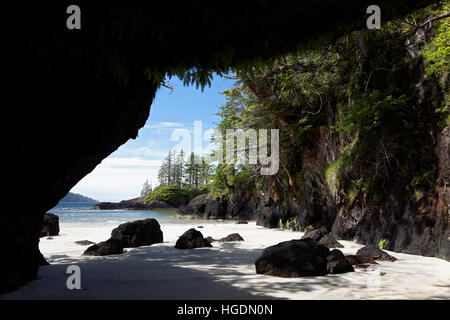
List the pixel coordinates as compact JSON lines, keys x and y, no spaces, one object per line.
{"x":225,"y":271}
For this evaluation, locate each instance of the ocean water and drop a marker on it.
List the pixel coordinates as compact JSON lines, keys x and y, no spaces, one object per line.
{"x":80,"y":214}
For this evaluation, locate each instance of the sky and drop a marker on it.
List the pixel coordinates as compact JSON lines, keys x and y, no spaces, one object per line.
{"x":169,"y":127}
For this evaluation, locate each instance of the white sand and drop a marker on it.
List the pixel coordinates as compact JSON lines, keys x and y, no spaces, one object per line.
{"x":224,"y":272}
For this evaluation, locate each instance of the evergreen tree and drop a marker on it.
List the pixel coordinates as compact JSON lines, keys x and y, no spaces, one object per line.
{"x":146,"y":189}
{"x":179,"y":169}
{"x":169,"y":168}
{"x":191,"y":173}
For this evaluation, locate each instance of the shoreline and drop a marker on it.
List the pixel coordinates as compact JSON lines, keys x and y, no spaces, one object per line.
{"x":225,"y":271}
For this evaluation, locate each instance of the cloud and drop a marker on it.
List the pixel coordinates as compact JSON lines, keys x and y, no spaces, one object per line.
{"x":126,"y":151}
{"x":170,"y":124}
{"x":117,"y":179}
{"x":164,"y":125}
{"x":130,"y":163}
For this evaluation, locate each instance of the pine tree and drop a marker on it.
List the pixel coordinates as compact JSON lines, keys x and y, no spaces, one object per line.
{"x":162,"y":174}
{"x":179,"y":169}
{"x":169,"y":168}
{"x":146,"y":189}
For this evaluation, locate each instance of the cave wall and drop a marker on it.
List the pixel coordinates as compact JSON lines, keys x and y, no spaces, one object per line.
{"x":56,"y":128}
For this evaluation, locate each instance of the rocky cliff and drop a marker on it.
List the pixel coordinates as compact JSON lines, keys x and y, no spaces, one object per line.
{"x":387,"y":184}
{"x":135,"y":204}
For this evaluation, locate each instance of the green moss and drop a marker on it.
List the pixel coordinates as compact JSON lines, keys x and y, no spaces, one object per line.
{"x":291,"y":224}
{"x":337,"y":170}
{"x":383,"y":243}
{"x":423,"y":181}
{"x":437,"y":51}
{"x":418,"y":194}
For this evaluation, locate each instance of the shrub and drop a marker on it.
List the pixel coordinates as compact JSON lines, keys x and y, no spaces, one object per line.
{"x":170,"y":193}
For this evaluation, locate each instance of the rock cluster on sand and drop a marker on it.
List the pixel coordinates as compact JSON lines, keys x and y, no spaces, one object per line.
{"x":192,"y":239}
{"x":307,"y":257}
{"x":84,"y":242}
{"x":131,"y":234}
{"x":375,"y":253}
{"x":368,"y":254}
{"x":229,"y":238}
{"x":50,"y":225}
{"x":232,"y":237}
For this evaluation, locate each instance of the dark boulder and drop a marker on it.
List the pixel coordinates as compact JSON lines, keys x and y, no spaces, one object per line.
{"x":359,"y":260}
{"x":337,"y":263}
{"x":192,"y":239}
{"x":295,"y":258}
{"x":84,"y":242}
{"x":138,"y":233}
{"x":50,"y":225}
{"x":105,"y":248}
{"x":232,"y":237}
{"x":210,"y":239}
{"x":329,"y":241}
{"x":315,"y":234}
{"x":375,"y":253}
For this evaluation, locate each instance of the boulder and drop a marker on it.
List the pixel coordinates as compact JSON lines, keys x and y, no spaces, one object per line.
{"x":138,"y":233}
{"x":359,"y":260}
{"x":84,"y":242}
{"x":295,"y":258}
{"x":210,"y":239}
{"x":105,"y":248}
{"x":337,"y":263}
{"x":315,"y":234}
{"x":192,"y":239}
{"x":232,"y":237}
{"x":329,"y":241}
{"x":375,"y":253}
{"x":242,"y":222}
{"x":50,"y":225}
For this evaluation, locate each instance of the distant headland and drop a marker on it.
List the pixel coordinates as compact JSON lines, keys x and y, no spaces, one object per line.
{"x":75,"y":197}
